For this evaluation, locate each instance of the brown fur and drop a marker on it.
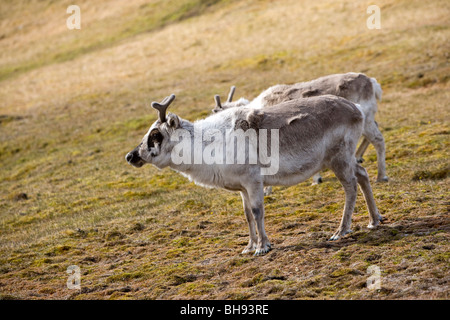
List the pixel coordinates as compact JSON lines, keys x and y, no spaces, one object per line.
{"x":352,"y":86}
{"x":356,"y":87}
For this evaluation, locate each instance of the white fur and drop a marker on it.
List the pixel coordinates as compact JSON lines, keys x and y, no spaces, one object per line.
{"x":299,"y":158}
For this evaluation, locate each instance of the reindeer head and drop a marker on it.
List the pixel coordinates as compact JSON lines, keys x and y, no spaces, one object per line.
{"x":228,"y":104}
{"x":155,"y":146}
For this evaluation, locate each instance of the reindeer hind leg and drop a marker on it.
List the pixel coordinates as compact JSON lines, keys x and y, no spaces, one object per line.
{"x":364,"y":184}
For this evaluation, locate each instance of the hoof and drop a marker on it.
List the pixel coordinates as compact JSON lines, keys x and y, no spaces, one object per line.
{"x":263,"y":251}
{"x":334,"y":238}
{"x":249,"y":248}
{"x":360,"y":160}
{"x":339,"y":234}
{"x":373,"y":225}
{"x":377,"y":223}
{"x":318,"y":181}
{"x":384,"y":179}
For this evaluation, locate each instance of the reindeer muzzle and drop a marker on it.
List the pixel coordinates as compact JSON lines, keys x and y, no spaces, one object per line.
{"x":134,"y":159}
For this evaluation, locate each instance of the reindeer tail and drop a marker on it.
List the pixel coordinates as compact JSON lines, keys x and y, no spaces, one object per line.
{"x":376,"y":88}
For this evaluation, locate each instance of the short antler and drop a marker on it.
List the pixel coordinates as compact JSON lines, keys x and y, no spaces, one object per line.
{"x":230,"y":95}
{"x":162,"y":107}
{"x":217,"y":98}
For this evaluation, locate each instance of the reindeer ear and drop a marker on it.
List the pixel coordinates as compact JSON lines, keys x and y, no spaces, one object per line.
{"x":173,"y":121}
{"x":253,"y":121}
{"x":254,"y":118}
{"x":241,"y":124}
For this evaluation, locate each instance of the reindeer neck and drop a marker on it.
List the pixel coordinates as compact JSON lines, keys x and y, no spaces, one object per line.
{"x":195,"y":170}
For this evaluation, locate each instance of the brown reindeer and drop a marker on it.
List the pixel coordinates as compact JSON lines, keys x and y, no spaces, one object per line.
{"x":356,"y":87}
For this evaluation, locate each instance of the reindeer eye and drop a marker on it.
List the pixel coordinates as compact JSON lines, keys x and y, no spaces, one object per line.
{"x":153,"y":138}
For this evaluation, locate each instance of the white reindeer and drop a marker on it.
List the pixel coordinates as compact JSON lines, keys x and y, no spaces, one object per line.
{"x":356,"y":87}
{"x":314,"y":133}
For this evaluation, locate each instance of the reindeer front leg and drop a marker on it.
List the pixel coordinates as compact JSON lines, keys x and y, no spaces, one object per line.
{"x":251,"y":223}
{"x":254,"y":200}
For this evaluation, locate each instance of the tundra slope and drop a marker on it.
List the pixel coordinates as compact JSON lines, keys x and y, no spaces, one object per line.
{"x":314,"y":133}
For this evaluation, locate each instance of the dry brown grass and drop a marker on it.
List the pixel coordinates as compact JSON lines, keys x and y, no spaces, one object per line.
{"x":72,"y":103}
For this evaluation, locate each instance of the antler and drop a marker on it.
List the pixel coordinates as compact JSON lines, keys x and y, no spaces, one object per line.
{"x":217,"y":98}
{"x":162,"y":107}
{"x":230,"y":95}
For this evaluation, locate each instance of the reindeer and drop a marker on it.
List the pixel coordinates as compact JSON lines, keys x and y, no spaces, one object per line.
{"x":314,"y":133}
{"x":356,"y":87}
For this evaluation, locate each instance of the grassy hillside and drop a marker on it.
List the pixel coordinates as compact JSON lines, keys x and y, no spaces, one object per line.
{"x":74,"y":102}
